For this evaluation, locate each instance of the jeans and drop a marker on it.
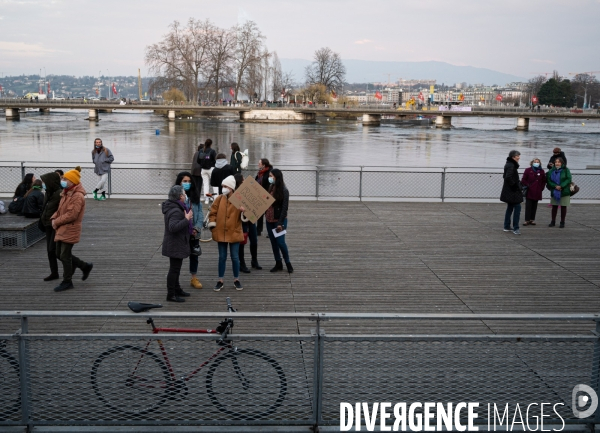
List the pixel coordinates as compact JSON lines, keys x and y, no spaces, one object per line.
{"x":235,"y":258}
{"x":64,"y":253}
{"x":173,"y":274}
{"x":516,"y":215}
{"x":51,"y":249}
{"x":530,"y":209}
{"x":278,"y":243}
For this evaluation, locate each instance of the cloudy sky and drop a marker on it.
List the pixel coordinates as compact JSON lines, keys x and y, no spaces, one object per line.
{"x":520,"y":37}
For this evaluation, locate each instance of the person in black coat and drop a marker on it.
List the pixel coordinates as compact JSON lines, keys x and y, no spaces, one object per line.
{"x":556,"y":153}
{"x":276,"y":217}
{"x":34,"y":201}
{"x":236,"y":158}
{"x":220,"y":172}
{"x":51,"y":202}
{"x":176,"y":240}
{"x":512,"y":193}
{"x":262,"y":177}
{"x":16,"y":206}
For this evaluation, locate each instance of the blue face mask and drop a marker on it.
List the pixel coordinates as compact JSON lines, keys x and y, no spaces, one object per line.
{"x":43,"y":186}
{"x":271,"y":180}
{"x":186,"y":186}
{"x":536,"y":164}
{"x":63,"y":183}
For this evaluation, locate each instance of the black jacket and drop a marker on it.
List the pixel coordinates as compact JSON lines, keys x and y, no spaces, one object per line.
{"x":236,"y":162}
{"x":176,"y":240}
{"x":34,"y":203}
{"x":280,"y":208}
{"x":553,"y":158}
{"x":511,"y":189}
{"x":210,"y":157}
{"x":218,"y":174}
{"x":52,"y":199}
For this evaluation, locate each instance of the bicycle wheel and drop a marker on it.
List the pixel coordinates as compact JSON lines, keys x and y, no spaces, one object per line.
{"x":130,"y":380}
{"x":10,"y":388}
{"x":246,"y":384}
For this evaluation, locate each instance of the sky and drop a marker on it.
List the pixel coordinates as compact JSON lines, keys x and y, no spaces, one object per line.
{"x":108,"y":37}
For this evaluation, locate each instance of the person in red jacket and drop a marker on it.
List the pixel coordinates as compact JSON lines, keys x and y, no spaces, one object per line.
{"x":534,"y":179}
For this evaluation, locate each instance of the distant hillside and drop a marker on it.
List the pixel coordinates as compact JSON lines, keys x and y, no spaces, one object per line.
{"x":363,"y":71}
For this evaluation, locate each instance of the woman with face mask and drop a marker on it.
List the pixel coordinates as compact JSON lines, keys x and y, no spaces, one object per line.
{"x":102,"y":158}
{"x":225,"y":223}
{"x":534,"y":179}
{"x":276,"y":217}
{"x":185,"y":180}
{"x":559,"y":181}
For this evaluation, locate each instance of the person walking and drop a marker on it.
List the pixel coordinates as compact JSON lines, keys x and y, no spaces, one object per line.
{"x":556,"y":153}
{"x":221,"y":171}
{"x":262,"y":177}
{"x":196,"y":170}
{"x":512,"y":193}
{"x":207,"y":158}
{"x":236,"y":158}
{"x":176,"y":239}
{"x":51,"y":202}
{"x":225,"y":223}
{"x":67,"y":222}
{"x":534,"y":179}
{"x":193,"y":202}
{"x":276,"y":216}
{"x":102,"y":158}
{"x":559,"y":181}
{"x":34,"y":201}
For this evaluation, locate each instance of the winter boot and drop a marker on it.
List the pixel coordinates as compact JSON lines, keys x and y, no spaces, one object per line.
{"x":290,"y":269}
{"x":278,"y":266}
{"x":195,"y":283}
{"x":172,"y":296}
{"x":254,"y":254}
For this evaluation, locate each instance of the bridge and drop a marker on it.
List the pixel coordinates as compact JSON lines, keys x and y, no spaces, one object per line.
{"x":300,"y":113}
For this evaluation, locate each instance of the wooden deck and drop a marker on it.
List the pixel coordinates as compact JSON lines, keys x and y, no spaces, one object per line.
{"x":348,"y":257}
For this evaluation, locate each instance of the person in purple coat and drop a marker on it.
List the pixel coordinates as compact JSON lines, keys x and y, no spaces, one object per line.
{"x":535,"y":180}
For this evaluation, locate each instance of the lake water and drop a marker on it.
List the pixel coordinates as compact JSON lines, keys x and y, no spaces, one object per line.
{"x":473,"y":142}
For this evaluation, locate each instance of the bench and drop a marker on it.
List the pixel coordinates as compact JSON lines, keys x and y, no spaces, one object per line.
{"x":18,"y":232}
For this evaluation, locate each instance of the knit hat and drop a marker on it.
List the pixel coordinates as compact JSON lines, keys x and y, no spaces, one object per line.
{"x":229,"y":182}
{"x":74,"y":175}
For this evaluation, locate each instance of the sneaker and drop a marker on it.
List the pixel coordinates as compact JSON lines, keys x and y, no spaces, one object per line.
{"x":238,"y":285}
{"x":102,"y":197}
{"x":65,"y":285}
{"x":508,"y":229}
{"x":195,"y":283}
{"x":219,"y":286}
{"x":517,"y":232}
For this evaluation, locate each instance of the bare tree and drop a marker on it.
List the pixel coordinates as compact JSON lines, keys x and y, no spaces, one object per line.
{"x":534,"y":85}
{"x":276,"y":76}
{"x":249,"y":42}
{"x":180,"y":59}
{"x":221,"y":51}
{"x":586,"y":88}
{"x":327,"y":69}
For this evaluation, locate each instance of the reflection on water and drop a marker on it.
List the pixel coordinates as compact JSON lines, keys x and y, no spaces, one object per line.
{"x":473,"y":142}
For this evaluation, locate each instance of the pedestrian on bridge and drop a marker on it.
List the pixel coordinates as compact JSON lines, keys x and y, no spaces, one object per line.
{"x":276,"y":217}
{"x":67,"y":221}
{"x":207,"y":158}
{"x":534,"y":179}
{"x":559,"y":181}
{"x":512,"y":193}
{"x":51,"y":202}
{"x":102,"y":158}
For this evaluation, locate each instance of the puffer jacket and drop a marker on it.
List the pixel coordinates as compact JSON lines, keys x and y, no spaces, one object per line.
{"x":176,"y":240}
{"x":52,"y":199}
{"x":225,"y":220}
{"x":511,"y":189}
{"x":69,"y":215}
{"x":102,"y":160}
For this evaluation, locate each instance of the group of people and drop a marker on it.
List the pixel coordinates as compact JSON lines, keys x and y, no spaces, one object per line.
{"x":184,"y":216}
{"x":530,"y":187}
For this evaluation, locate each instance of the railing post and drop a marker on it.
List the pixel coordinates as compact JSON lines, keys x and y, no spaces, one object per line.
{"x":595,"y":379}
{"x":23,"y":375}
{"x":22,"y":170}
{"x":109,"y":182}
{"x":318,"y":375}
{"x":317,"y":183}
{"x":360,"y":185}
{"x":443,"y":191}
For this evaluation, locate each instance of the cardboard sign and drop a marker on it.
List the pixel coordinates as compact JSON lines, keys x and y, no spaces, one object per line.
{"x":253,"y":198}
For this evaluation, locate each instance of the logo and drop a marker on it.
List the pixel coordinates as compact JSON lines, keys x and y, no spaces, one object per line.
{"x":580,"y":400}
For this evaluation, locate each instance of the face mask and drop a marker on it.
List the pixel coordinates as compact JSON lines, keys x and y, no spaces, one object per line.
{"x":226,"y":191}
{"x":536,"y":164}
{"x":63,"y":183}
{"x":43,"y":186}
{"x":97,"y":147}
{"x":271,"y":180}
{"x":186,"y":185}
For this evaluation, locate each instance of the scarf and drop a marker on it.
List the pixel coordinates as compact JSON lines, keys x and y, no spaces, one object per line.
{"x":261,"y":173}
{"x":555,"y":177}
{"x":186,"y":208}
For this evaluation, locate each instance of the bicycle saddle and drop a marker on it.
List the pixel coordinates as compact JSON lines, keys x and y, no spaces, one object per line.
{"x":139,"y":307}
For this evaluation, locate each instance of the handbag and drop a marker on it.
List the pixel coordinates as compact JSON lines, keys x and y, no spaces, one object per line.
{"x":195,"y":249}
{"x":245,"y":241}
{"x":573,"y":188}
{"x":524,"y":189}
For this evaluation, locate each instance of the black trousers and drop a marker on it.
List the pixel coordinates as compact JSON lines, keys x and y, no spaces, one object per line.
{"x":51,"y":249}
{"x":64,"y":252}
{"x":173,"y":275}
{"x":530,"y":209}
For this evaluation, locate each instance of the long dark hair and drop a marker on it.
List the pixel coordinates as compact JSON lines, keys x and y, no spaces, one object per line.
{"x":193,"y":192}
{"x":207,"y":144}
{"x":235,"y":147}
{"x":278,"y":186}
{"x":238,"y":179}
{"x":266,"y":163}
{"x":26,"y":182}
{"x":37,"y":182}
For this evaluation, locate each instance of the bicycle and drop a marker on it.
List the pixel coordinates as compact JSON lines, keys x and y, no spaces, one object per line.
{"x":10,"y":391}
{"x":205,"y":235}
{"x":146,"y":380}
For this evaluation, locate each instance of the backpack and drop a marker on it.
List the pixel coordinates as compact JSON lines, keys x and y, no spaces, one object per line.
{"x":245,"y":160}
{"x":201,"y":156}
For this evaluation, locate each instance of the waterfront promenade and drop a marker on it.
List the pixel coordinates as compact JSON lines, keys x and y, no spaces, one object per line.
{"x":348,"y":257}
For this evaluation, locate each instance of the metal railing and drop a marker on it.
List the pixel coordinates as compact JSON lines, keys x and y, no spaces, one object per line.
{"x":312,"y":182}
{"x":290,"y":379}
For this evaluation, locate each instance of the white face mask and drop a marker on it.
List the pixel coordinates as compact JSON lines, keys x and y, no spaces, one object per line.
{"x":226,"y":190}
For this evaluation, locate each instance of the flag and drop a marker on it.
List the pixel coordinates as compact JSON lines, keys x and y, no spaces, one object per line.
{"x":378,"y":95}
{"x":114,"y":89}
{"x":0,"y":87}
{"x":498,"y":97}
{"x":421,"y":97}
{"x":231,"y":92}
{"x":534,"y":98}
